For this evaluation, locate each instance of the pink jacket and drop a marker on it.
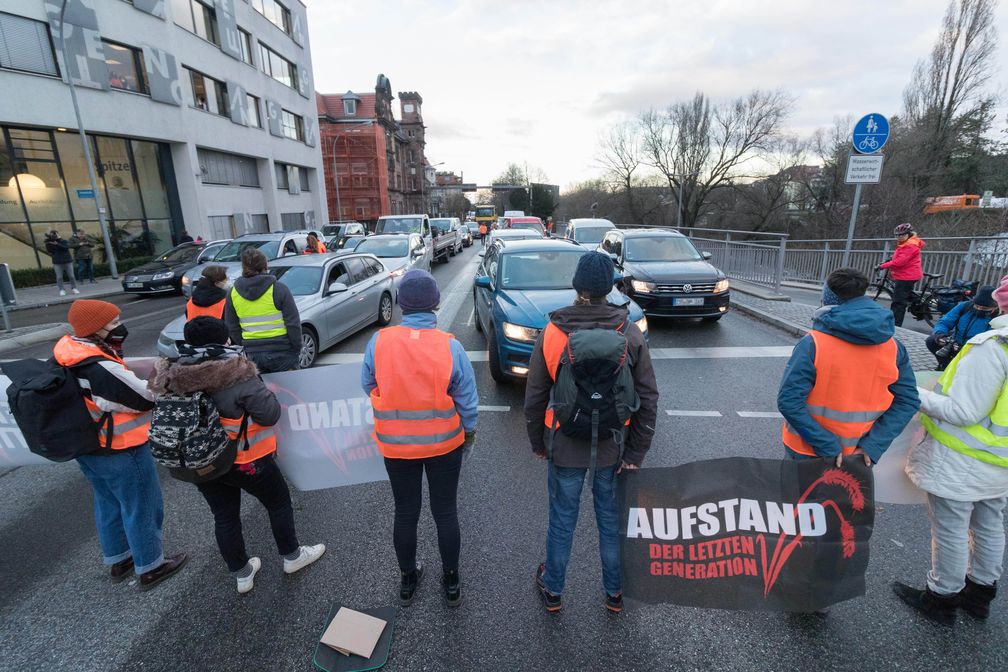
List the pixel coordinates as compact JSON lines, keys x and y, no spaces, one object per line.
{"x":906,"y":261}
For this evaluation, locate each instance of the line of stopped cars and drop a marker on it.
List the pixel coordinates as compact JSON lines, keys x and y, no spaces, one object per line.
{"x":524,"y":276}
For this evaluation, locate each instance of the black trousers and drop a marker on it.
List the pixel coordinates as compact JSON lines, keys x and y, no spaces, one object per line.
{"x":902,"y":290}
{"x":406,"y":478}
{"x":261,"y":479}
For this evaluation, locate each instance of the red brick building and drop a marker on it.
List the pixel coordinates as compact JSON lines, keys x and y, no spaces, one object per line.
{"x":377,"y":158}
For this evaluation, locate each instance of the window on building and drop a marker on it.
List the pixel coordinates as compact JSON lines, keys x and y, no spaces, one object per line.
{"x":281,"y":175}
{"x":125,"y":67}
{"x":277,"y":67}
{"x":245,"y":44}
{"x":292,"y":221}
{"x":221,"y":226}
{"x":277,"y":14}
{"x":25,"y":45}
{"x":209,"y":94}
{"x":350,"y":107}
{"x":293,"y":125}
{"x":412,"y":156}
{"x":410,"y":133}
{"x":227,"y":169}
{"x":252,"y":105}
{"x":260,"y":224}
{"x":197,"y":17}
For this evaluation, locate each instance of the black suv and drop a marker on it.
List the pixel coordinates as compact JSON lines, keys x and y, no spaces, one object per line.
{"x":666,"y":275}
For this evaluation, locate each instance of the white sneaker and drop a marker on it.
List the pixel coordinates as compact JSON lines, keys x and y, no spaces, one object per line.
{"x":75,"y":290}
{"x":245,"y":584}
{"x":307,"y":555}
{"x":62,"y":292}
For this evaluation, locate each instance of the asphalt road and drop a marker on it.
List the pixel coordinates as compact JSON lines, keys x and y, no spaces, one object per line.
{"x":59,"y":612}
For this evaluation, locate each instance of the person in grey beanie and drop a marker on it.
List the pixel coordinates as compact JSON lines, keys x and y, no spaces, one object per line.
{"x":571,"y":457}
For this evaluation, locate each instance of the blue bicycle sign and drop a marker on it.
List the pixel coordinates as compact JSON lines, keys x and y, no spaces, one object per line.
{"x":870,"y":133}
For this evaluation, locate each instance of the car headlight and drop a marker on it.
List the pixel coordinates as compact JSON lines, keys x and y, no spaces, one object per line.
{"x":522,"y":334}
{"x":642,"y":287}
{"x":165,"y":275}
{"x":186,"y":280}
{"x":397,"y":272}
{"x":165,"y":339}
{"x":642,"y":324}
{"x":721,"y":286}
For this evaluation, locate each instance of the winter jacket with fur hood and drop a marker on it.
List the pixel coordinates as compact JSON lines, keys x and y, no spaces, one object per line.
{"x":230,"y":378}
{"x":570,"y":452}
{"x":980,"y":376}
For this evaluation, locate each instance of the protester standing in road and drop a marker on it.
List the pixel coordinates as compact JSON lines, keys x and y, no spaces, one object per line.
{"x":423,"y":391}
{"x":570,"y":458}
{"x":207,"y":364}
{"x":960,"y":324}
{"x":127,"y":495}
{"x":261,"y":315}
{"x":963,"y":466}
{"x":209,"y":294}
{"x":483,"y":233}
{"x":315,"y":246}
{"x":62,"y":262}
{"x":83,"y":251}
{"x":905,"y":269}
{"x":849,"y":387}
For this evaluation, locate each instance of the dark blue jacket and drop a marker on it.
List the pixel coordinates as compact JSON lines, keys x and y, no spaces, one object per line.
{"x":860,"y":321}
{"x":964,"y":323}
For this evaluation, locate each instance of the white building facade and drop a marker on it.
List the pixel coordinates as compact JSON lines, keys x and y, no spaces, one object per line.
{"x":200,"y":115}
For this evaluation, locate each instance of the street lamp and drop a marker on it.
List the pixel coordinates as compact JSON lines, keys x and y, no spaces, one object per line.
{"x":109,"y":252}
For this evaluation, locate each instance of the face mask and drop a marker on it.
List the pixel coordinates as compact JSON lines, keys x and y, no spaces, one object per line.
{"x":116,"y":336}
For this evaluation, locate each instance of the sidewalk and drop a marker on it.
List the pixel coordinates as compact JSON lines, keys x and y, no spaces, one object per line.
{"x":796,"y":318}
{"x":48,"y":295}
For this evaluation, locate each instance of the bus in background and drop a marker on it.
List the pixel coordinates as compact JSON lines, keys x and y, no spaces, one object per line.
{"x":486,"y":214}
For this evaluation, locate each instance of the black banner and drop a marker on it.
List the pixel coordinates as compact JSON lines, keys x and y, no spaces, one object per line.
{"x":742,"y":533}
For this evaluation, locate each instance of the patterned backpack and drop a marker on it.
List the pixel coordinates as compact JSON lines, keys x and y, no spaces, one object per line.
{"x":186,"y":435}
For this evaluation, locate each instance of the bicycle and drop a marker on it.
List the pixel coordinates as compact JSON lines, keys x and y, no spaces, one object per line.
{"x":868,"y":143}
{"x":923,"y":303}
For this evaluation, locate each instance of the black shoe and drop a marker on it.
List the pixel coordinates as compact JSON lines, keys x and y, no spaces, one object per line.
{"x":934,"y":607}
{"x":975,"y":598}
{"x":408,"y":586}
{"x":121,"y":570}
{"x":614,"y":603}
{"x":452,"y":588}
{"x":552,"y":602}
{"x":168,"y":569}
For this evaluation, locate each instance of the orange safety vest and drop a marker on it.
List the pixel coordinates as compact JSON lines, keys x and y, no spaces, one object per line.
{"x":554,"y":344}
{"x":321,"y":249}
{"x":414,"y":416}
{"x":851,"y":390}
{"x":128,"y":429}
{"x":261,"y":439}
{"x":215,"y":310}
{"x":483,"y":229}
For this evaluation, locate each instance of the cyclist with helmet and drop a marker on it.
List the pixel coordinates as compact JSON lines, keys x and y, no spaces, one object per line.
{"x":905,"y":268}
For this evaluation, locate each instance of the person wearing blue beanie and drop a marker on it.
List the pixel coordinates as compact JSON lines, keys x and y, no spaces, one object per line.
{"x":418,"y":292}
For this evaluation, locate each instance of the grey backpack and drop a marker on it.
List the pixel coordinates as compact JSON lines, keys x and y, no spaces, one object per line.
{"x":186,"y":435}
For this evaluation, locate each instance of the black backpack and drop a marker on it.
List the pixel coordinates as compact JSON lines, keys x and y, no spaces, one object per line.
{"x":594,"y":392}
{"x":186,"y":435}
{"x":47,"y":403}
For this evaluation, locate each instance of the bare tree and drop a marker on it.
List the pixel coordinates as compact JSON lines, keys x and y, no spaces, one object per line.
{"x":619,"y":155}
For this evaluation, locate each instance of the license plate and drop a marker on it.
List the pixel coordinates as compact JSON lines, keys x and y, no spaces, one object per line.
{"x":134,"y":285}
{"x":687,"y":302}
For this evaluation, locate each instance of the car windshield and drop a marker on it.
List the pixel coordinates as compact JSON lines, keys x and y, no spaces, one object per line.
{"x":443,"y":223}
{"x":400,"y":225}
{"x":386,"y":249}
{"x":660,"y":248}
{"x":186,"y":253}
{"x":517,"y":234}
{"x":485,"y":212}
{"x":539,"y":270}
{"x":590,"y":234}
{"x":300,"y":280}
{"x":211,"y":251}
{"x":535,"y":226}
{"x":233,"y":250}
{"x":334,"y":230}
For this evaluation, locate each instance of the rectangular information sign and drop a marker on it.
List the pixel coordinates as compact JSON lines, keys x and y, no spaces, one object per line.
{"x":863,"y":169}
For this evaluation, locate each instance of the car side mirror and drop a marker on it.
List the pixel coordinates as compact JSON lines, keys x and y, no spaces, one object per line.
{"x":706,"y":255}
{"x":420,"y":251}
{"x":615,"y":259}
{"x":336,"y":288}
{"x":483,"y":281}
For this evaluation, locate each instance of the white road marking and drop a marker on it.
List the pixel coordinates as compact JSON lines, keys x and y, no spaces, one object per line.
{"x":178,"y":310}
{"x":693,"y":414}
{"x":494,"y":409}
{"x":340,"y":358}
{"x":472,"y":313}
{"x":760,"y":414}
{"x":896,"y":542}
{"x":723,"y":352}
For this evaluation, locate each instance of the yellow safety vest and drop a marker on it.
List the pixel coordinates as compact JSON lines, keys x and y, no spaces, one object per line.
{"x":987,"y":440}
{"x":258,"y":319}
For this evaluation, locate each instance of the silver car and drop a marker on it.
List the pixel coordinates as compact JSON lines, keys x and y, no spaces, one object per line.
{"x":274,"y":245}
{"x":399,"y":253}
{"x":337,"y":295}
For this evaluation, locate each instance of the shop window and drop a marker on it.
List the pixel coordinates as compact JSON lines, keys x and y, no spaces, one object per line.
{"x":149,"y":175}
{"x":116,"y":169}
{"x":125,"y":67}
{"x":25,"y":45}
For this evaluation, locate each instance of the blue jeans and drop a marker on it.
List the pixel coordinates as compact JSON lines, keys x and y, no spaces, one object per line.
{"x":275,"y":361}
{"x":565,"y":485}
{"x":85,"y":269}
{"x":129,"y":511}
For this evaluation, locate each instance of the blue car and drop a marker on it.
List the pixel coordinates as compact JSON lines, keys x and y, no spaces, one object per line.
{"x":518,"y":284}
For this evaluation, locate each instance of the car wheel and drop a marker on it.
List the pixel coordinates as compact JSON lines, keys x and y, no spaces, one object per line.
{"x":712,"y":318}
{"x":496,"y":372}
{"x":479,"y":327}
{"x":384,"y":310}
{"x":309,"y":348}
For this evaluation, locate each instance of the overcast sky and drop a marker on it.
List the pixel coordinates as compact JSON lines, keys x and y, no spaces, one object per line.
{"x":536,"y":82}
